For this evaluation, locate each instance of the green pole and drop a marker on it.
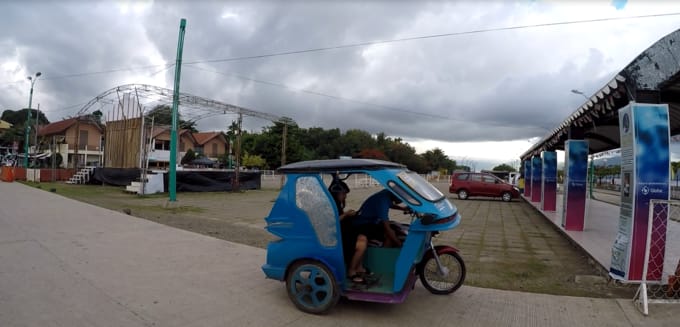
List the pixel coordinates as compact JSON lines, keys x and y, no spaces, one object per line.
{"x":28,"y":119}
{"x":28,"y":128}
{"x":172,"y":188}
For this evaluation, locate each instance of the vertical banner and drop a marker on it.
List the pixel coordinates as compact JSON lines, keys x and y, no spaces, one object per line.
{"x":575,"y":176}
{"x":645,"y":175}
{"x":527,"y":178}
{"x":549,"y":178}
{"x":536,"y":179}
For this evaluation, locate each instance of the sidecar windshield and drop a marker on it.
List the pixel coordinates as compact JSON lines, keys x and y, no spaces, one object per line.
{"x":420,"y":186}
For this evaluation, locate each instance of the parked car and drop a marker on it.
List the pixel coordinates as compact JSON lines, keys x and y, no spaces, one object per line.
{"x":467,"y":184}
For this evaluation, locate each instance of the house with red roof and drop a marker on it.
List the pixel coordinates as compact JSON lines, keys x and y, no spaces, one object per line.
{"x":159,"y":154}
{"x":77,"y":139}
{"x":211,"y":144}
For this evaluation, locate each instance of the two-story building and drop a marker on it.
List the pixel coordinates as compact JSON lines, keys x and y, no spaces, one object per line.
{"x":159,"y":154}
{"x":78,"y":139}
{"x":211,"y":144}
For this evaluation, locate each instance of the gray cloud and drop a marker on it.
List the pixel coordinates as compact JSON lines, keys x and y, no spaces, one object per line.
{"x":507,"y":85}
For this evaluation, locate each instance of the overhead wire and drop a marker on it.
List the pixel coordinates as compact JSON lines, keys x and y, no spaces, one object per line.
{"x":423,"y":37}
{"x":283,"y":86}
{"x":361,"y":44}
{"x":280,"y":85}
{"x":352,"y":45}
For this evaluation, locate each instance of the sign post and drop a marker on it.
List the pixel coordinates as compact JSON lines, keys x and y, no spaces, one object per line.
{"x":645,"y":175}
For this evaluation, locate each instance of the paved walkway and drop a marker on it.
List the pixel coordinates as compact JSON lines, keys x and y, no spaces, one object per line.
{"x":66,"y":263}
{"x":601,"y":226}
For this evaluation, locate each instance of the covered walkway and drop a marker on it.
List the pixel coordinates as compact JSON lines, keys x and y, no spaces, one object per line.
{"x":601,"y":227}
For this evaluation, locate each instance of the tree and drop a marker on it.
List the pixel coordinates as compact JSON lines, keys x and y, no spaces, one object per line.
{"x":606,"y":171}
{"x":18,"y":121}
{"x":437,"y":160}
{"x":503,"y":167}
{"x":252,"y":161}
{"x":162,"y":115}
{"x":188,"y":157}
{"x":675,"y":165}
{"x":371,"y":154}
{"x":354,"y":140}
{"x":97,"y":115}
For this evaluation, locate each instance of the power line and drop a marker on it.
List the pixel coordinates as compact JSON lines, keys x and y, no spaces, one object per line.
{"x":492,"y":123}
{"x":354,"y":45}
{"x":486,"y":30}
{"x":320,"y":94}
{"x":108,"y":71}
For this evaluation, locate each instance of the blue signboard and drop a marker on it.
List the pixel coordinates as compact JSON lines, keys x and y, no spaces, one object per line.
{"x":645,"y":175}
{"x":549,"y":172}
{"x":527,"y":178}
{"x":575,"y":177}
{"x":536,"y":179}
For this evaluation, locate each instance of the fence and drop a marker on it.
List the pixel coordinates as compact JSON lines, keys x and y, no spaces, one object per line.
{"x":661,"y":273}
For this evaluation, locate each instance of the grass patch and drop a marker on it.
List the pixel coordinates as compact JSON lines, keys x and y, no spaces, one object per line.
{"x":160,"y":209}
{"x":77,"y":191}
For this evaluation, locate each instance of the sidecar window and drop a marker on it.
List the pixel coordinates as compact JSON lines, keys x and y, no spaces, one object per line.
{"x":311,"y":198}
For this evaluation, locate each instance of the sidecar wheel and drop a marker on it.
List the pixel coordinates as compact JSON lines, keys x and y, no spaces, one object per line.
{"x":434,"y":281}
{"x":312,"y":287}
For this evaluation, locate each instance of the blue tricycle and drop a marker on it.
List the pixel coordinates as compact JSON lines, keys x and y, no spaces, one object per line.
{"x":309,"y":257}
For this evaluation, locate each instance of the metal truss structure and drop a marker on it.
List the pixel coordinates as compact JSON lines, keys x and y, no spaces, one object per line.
{"x":191,"y":107}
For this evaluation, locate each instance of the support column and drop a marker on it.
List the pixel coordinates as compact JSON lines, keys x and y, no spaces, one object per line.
{"x":645,"y":170}
{"x":527,"y":178}
{"x":549,"y":181}
{"x":575,"y":175}
{"x":536,"y":179}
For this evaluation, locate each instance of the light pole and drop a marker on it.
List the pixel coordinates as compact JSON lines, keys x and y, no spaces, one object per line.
{"x":28,"y":118}
{"x":575,"y":91}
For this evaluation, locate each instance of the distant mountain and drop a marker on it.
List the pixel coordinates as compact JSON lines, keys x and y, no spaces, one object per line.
{"x":608,"y":161}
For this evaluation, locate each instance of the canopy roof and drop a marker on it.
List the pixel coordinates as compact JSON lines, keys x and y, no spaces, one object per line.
{"x":338,"y":165}
{"x":653,"y":77}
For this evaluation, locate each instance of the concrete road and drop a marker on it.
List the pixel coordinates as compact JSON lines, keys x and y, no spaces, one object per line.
{"x":66,"y":263}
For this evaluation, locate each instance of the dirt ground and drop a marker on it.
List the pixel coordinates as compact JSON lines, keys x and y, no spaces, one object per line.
{"x":505,"y":245}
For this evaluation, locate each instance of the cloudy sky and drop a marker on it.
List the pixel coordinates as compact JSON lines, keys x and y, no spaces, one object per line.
{"x":481,"y":97}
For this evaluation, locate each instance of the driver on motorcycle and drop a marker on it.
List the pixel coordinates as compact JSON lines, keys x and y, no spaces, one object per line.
{"x":373,"y":218}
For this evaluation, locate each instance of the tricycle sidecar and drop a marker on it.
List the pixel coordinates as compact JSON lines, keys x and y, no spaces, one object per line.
{"x":309,"y":256}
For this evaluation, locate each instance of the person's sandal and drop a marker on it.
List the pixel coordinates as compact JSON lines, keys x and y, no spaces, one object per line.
{"x":357,"y":279}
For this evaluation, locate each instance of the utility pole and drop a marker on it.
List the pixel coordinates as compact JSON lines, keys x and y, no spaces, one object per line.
{"x":236,"y":184}
{"x":37,"y":125}
{"x":172,"y":187}
{"x":28,"y":119}
{"x":284,"y":141}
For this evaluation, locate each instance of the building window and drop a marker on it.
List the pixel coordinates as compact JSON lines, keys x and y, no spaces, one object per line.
{"x":161,"y":145}
{"x":82,"y":140}
{"x":214,"y":149}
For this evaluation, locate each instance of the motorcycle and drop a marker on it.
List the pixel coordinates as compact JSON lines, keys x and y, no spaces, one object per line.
{"x":309,"y":258}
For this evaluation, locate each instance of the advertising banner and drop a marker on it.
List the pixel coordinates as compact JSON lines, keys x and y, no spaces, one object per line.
{"x":575,"y":176}
{"x":536,"y":179}
{"x":549,"y":178}
{"x":645,"y":175}
{"x":527,"y":178}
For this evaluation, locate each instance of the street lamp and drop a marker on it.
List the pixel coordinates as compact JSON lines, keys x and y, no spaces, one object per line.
{"x":28,"y":118}
{"x":575,"y":91}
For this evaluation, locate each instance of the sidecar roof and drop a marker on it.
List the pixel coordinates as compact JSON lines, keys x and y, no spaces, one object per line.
{"x":338,"y":165}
